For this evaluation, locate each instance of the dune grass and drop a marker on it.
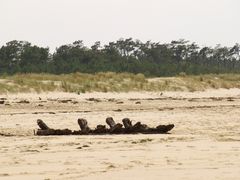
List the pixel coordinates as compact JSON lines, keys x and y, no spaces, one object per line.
{"x":114,"y":82}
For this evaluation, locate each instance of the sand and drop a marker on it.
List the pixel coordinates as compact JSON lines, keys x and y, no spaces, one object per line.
{"x":205,"y":142}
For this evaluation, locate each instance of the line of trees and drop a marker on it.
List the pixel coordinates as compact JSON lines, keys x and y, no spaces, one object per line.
{"x":124,"y":55}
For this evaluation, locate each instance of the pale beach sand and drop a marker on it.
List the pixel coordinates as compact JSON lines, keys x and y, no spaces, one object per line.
{"x":205,"y":142}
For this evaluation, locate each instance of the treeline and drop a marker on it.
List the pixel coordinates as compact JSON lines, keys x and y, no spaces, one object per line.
{"x":124,"y":55}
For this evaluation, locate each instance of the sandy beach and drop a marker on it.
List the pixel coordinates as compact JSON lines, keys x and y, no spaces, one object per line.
{"x":203,"y":144}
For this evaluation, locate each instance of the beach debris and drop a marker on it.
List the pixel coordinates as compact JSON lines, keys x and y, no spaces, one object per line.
{"x":114,"y":128}
{"x":127,"y":123}
{"x":23,"y":101}
{"x":42,"y":125}
{"x":83,"y":126}
{"x":74,"y":102}
{"x":100,"y":129}
{"x":64,"y":100}
{"x":230,"y":99}
{"x":165,"y":128}
{"x":45,"y":130}
{"x":3,"y":100}
{"x":6,"y":135}
{"x":119,"y":102}
{"x":117,"y":110}
{"x":111,"y":100}
{"x":93,"y":99}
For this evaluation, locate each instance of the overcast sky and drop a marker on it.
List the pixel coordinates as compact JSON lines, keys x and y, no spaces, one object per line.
{"x":56,"y":22}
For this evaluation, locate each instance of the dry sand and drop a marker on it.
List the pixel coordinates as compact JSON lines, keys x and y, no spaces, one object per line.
{"x":205,"y":142}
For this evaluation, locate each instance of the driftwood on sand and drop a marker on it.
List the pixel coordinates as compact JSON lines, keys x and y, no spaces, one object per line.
{"x":114,"y":128}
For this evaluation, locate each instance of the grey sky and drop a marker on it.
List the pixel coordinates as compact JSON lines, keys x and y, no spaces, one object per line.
{"x":56,"y":22}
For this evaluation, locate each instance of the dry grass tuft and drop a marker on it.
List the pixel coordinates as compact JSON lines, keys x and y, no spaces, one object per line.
{"x":114,"y":82}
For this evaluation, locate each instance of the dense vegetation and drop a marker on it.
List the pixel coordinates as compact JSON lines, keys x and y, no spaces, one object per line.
{"x":124,"y":55}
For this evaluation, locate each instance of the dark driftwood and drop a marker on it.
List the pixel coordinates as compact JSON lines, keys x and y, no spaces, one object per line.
{"x":83,"y":126}
{"x":46,"y":131}
{"x":115,"y":128}
{"x":42,"y":125}
{"x":127,"y":123}
{"x":58,"y":132}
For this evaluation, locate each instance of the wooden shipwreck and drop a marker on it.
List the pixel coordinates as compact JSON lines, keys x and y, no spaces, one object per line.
{"x":114,"y":128}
